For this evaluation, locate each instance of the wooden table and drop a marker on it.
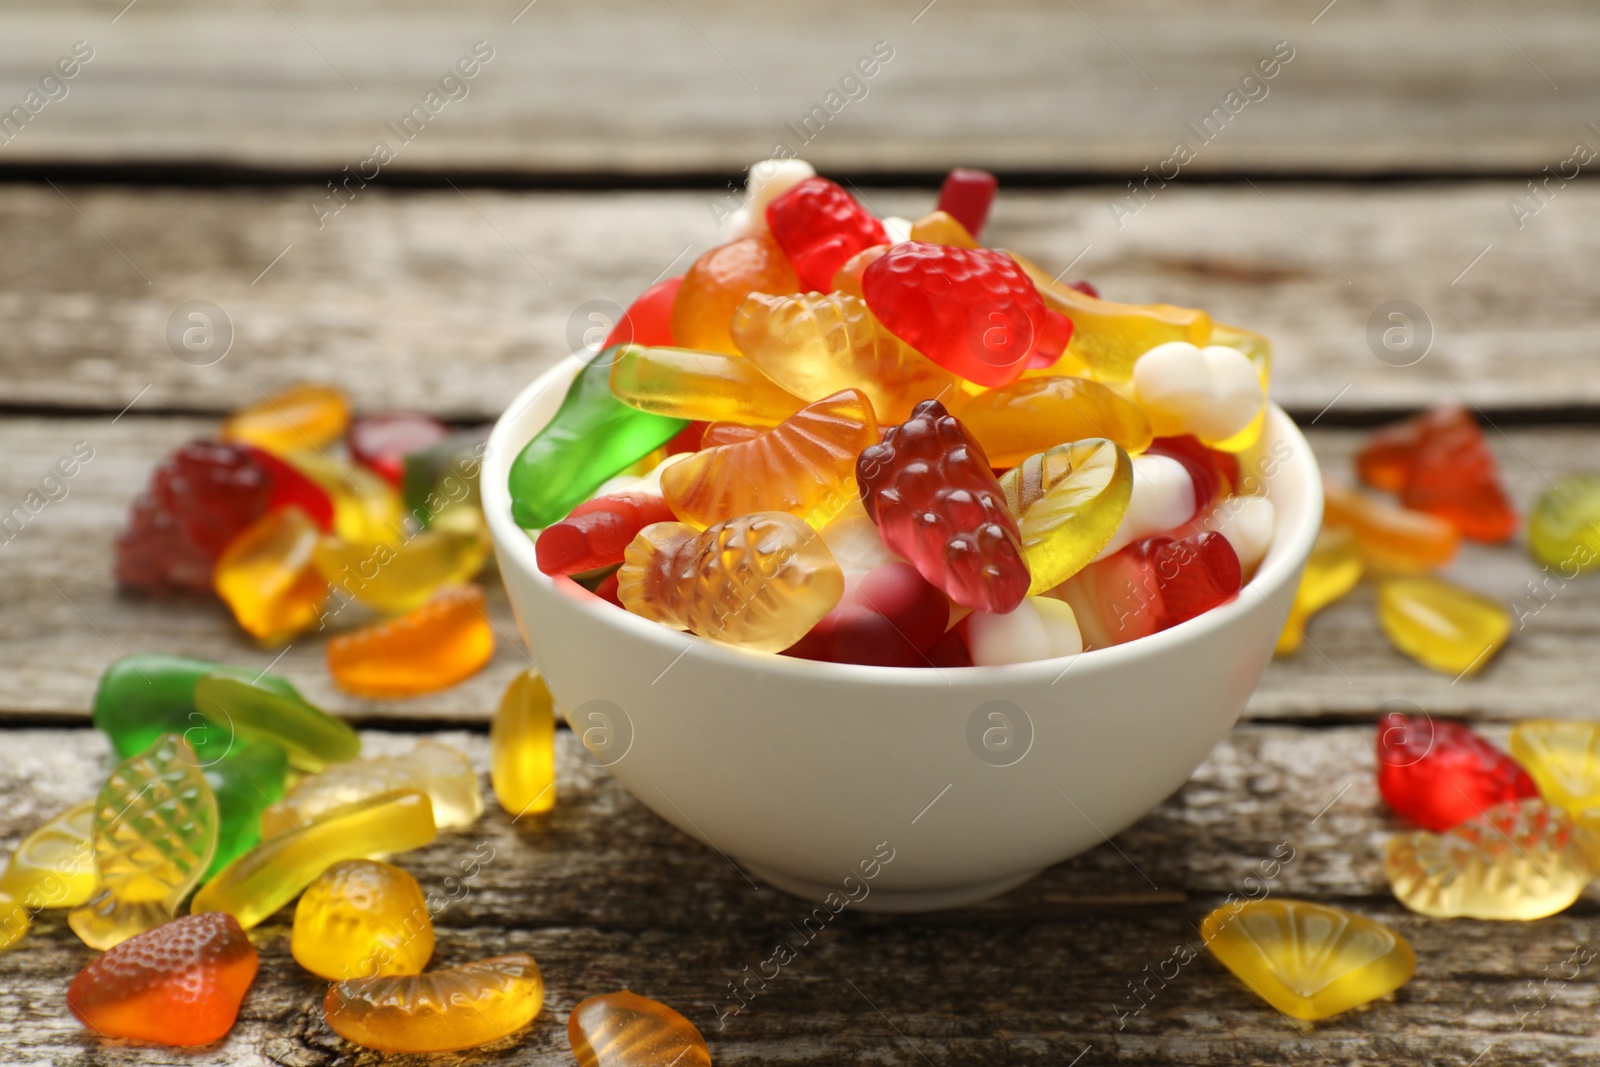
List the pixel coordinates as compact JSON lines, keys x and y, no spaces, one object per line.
{"x":188,"y":161}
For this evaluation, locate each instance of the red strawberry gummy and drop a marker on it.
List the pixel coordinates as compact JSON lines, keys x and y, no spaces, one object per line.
{"x":1439,"y":773}
{"x":598,"y":532}
{"x":819,"y":226}
{"x":929,"y":489}
{"x":179,"y":984}
{"x":966,"y":195}
{"x":892,"y":617}
{"x":198,"y":499}
{"x":1440,"y":463}
{"x":382,"y":442}
{"x":971,"y":310}
{"x":648,"y":320}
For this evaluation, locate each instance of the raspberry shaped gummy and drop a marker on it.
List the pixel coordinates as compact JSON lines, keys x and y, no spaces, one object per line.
{"x":819,"y":226}
{"x":929,"y":489}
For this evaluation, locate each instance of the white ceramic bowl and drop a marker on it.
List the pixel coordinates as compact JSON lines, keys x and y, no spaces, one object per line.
{"x":808,"y":774}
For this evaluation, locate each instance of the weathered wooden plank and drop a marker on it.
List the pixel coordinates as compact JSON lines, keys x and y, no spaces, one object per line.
{"x":707,"y":85}
{"x":65,"y":621}
{"x":451,"y":301}
{"x":607,"y":896}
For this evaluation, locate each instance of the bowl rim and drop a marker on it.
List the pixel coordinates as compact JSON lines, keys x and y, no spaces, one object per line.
{"x":515,"y":547}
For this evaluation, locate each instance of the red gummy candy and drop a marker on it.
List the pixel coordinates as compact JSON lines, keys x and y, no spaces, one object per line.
{"x":1158,"y":582}
{"x":198,"y":500}
{"x":689,"y":439}
{"x":1086,"y":288}
{"x":1385,"y":461}
{"x":951,"y":651}
{"x":607,"y":590}
{"x":1439,"y":773}
{"x":819,"y":226}
{"x":598,"y":532}
{"x":891,"y":618}
{"x":648,"y":320}
{"x":179,"y":984}
{"x":1208,"y":469}
{"x":966,"y":195}
{"x":292,"y":489}
{"x":1454,"y":475}
{"x":382,"y":442}
{"x":971,"y":310}
{"x":929,"y":489}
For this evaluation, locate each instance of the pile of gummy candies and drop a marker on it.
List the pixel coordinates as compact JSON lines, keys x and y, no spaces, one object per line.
{"x":238,"y":791}
{"x":289,"y":528}
{"x":875,"y":441}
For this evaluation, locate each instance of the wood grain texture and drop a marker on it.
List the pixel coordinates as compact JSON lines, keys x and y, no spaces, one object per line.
{"x":65,"y":620}
{"x":452,"y":301}
{"x":606,"y":896}
{"x":708,"y":85}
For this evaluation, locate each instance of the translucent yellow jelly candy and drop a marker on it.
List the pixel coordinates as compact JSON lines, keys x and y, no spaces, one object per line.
{"x":1111,"y":337}
{"x":401,"y":577}
{"x":1332,"y":570}
{"x":463,"y":1007}
{"x":1032,"y":415}
{"x":431,"y":767}
{"x":15,"y":921}
{"x":366,"y":507}
{"x":815,"y":344}
{"x":1442,"y":626}
{"x":522,"y":747}
{"x":1523,"y":859}
{"x":1308,"y":960}
{"x":362,"y":919}
{"x":266,"y":576}
{"x":54,"y":865}
{"x":155,"y":829}
{"x":1564,"y":526}
{"x":758,"y":581}
{"x":706,"y":386}
{"x":627,"y":1030}
{"x":1563,"y":756}
{"x":942,"y":228}
{"x":302,"y":416}
{"x":1068,"y":502}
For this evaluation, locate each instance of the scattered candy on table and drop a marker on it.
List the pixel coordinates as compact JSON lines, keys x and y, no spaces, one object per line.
{"x":627,"y":1030}
{"x":439,"y":1011}
{"x":522,"y":747}
{"x":430,"y":767}
{"x":1440,"y":625}
{"x":447,"y":640}
{"x":1439,"y":773}
{"x":362,"y":919}
{"x":1563,"y":756}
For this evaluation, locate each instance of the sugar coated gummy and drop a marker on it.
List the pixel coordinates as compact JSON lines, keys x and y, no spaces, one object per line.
{"x":178,"y":984}
{"x":447,"y":640}
{"x":627,"y":1030}
{"x":1068,"y":502}
{"x":1442,"y":626}
{"x":1310,"y":961}
{"x":1563,"y":756}
{"x":362,"y":919}
{"x":436,"y":769}
{"x":522,"y":747}
{"x":441,"y":1011}
{"x":1439,"y":773}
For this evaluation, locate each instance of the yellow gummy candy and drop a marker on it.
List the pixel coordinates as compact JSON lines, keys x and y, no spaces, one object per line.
{"x":54,"y":865}
{"x":522,"y":747}
{"x":431,"y":767}
{"x":1034,"y":414}
{"x":1068,"y":503}
{"x":1332,"y":570}
{"x":306,"y":415}
{"x":1562,"y":756}
{"x":705,"y":386}
{"x":441,"y":1011}
{"x":1442,"y":626}
{"x":366,"y":508}
{"x":397,"y":578}
{"x":266,"y":576}
{"x":362,"y":919}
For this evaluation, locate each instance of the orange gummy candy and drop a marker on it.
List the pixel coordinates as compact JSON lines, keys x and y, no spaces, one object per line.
{"x":942,"y":228}
{"x":179,"y":984}
{"x":729,"y":433}
{"x":268,"y":577}
{"x":805,"y":466}
{"x":443,"y":642}
{"x":1034,"y":415}
{"x":627,"y":1030}
{"x":718,"y":281}
{"x":303,"y":416}
{"x":1387,"y":536}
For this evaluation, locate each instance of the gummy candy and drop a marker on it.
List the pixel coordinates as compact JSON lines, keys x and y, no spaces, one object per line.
{"x":942,"y":228}
{"x":141,"y":697}
{"x":648,"y":320}
{"x":718,"y":281}
{"x":399,"y":578}
{"x":1332,"y":570}
{"x":1310,"y":961}
{"x":966,"y":196}
{"x":759,"y":581}
{"x":929,"y":489}
{"x":430,"y":767}
{"x":462,"y":1007}
{"x":767,"y":181}
{"x":1151,"y":585}
{"x":54,"y":867}
{"x":291,"y":488}
{"x":805,"y":466}
{"x":1163,"y":498}
{"x":1068,"y":503}
{"x":16,"y":918}
{"x":848,"y":280}
{"x":1439,"y":773}
{"x":445,"y":641}
{"x":1040,"y":628}
{"x":1389,"y":537}
{"x":309,"y":735}
{"x":706,"y":386}
{"x":1258,"y":350}
{"x":197,"y":501}
{"x":855,"y":544}
{"x":1211,"y":392}
{"x":1563,"y":757}
{"x":1210,"y":471}
{"x":815,"y":344}
{"x":178,"y":984}
{"x":1110,"y":337}
{"x":1520,"y":860}
{"x":366,"y":507}
{"x":273,"y":873}
{"x":1440,"y":463}
{"x":889,"y":617}
{"x":245,"y":782}
{"x":267,"y":577}
{"x":1247,"y":522}
{"x":819,"y":226}
{"x":1442,"y":626}
{"x":155,"y":831}
{"x":951,"y":651}
{"x":382,"y":442}
{"x":592,"y":436}
{"x":440,"y":483}
{"x":1564,"y":527}
{"x":362,"y":919}
{"x":299,"y":417}
{"x":627,"y":1030}
{"x":597,"y":532}
{"x":522,"y":747}
{"x":972,"y":311}
{"x":1035,"y":414}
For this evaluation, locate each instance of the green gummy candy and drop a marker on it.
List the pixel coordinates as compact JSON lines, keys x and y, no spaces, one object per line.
{"x":139,"y":698}
{"x":443,"y":475}
{"x":310,"y":736}
{"x":246,"y":781}
{"x":592,"y":437}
